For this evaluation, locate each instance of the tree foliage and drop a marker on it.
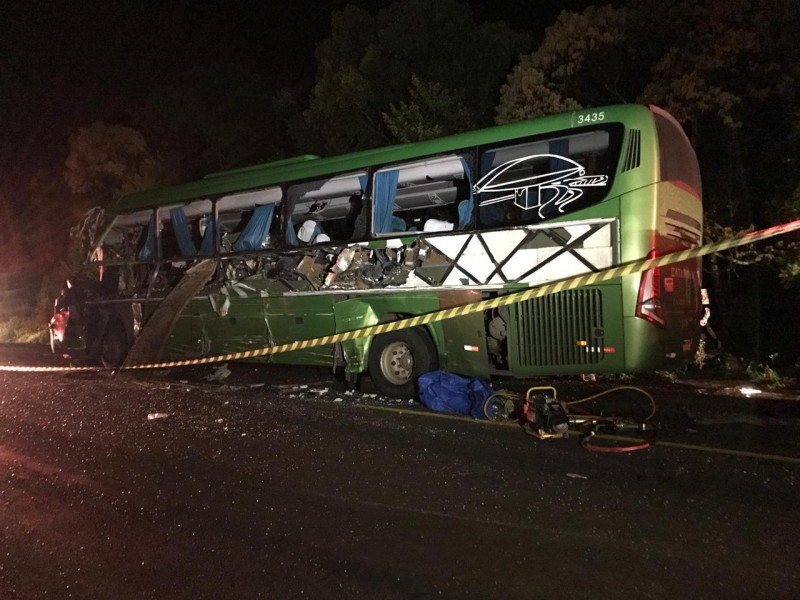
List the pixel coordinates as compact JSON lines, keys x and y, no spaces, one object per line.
{"x":106,"y":161}
{"x":35,"y":216}
{"x":727,"y":69}
{"x":432,"y":111}
{"x":558,"y":75}
{"x":415,"y":62}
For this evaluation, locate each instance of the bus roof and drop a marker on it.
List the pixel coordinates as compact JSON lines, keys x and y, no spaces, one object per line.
{"x":309,"y":165}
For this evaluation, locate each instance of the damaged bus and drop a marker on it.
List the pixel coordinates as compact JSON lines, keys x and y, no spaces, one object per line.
{"x":309,"y":246}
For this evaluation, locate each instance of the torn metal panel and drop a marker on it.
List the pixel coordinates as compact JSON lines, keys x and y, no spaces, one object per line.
{"x":363,"y":311}
{"x":277,"y":296}
{"x":491,"y":260}
{"x":149,"y":344}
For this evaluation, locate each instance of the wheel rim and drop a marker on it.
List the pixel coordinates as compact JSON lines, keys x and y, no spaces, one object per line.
{"x":113,"y":349}
{"x":397,"y":363}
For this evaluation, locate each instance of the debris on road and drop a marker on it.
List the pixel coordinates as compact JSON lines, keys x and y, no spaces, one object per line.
{"x":157,"y":415}
{"x":153,"y":385}
{"x":749,"y":391}
{"x":220,"y":374}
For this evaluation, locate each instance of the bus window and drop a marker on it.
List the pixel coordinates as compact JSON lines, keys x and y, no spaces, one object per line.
{"x":329,"y":209}
{"x":430,"y":195}
{"x":131,"y":238}
{"x":537,"y":180}
{"x":249,"y":221}
{"x":125,"y":239}
{"x":184,"y":230}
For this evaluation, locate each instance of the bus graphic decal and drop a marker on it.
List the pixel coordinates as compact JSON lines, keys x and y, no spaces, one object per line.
{"x":557,"y":187}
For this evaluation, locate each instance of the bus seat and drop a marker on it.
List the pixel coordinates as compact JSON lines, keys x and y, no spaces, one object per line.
{"x":398,"y":224}
{"x":437,"y":225}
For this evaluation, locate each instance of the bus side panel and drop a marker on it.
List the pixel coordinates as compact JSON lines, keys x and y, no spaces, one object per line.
{"x":571,"y":332}
{"x":187,"y":339}
{"x":241,"y":328}
{"x":295,"y":318}
{"x":650,"y":348}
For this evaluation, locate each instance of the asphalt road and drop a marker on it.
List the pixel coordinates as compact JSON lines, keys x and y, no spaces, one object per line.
{"x":279,"y":491}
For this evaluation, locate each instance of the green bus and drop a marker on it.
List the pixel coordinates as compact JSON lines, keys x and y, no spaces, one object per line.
{"x":309,"y":246}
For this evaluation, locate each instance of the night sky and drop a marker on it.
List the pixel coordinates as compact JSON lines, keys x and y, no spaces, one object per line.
{"x":89,"y":53}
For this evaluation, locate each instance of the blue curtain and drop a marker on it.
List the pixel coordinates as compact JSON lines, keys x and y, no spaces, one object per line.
{"x":383,"y":205}
{"x":362,"y":181}
{"x":291,"y":234}
{"x":208,"y":246}
{"x":149,"y":250}
{"x":465,"y":207}
{"x":256,"y":229}
{"x":182,"y":233}
{"x":486,"y":162}
{"x":561,"y":148}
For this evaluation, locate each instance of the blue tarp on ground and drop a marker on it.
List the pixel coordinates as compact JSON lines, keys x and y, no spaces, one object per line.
{"x":448,"y":392}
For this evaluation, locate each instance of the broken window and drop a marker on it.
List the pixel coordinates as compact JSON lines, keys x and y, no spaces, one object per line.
{"x":430,"y":195}
{"x":325,"y":210}
{"x":249,"y":221}
{"x":126,"y":238}
{"x":540,"y":179}
{"x":187,"y":231}
{"x":129,"y":239}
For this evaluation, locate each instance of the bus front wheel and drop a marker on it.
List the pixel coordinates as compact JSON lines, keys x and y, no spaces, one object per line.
{"x":398,"y":358}
{"x":114,"y":346}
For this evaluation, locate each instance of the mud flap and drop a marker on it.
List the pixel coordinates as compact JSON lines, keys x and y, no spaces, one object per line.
{"x":150,"y":343}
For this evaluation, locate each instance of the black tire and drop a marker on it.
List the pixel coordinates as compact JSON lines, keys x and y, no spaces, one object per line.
{"x":398,"y":358}
{"x":114,"y":347}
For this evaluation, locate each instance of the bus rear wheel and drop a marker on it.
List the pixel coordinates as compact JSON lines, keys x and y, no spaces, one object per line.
{"x":398,"y":358}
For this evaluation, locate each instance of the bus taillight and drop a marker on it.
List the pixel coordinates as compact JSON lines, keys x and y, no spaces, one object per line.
{"x":648,"y":304}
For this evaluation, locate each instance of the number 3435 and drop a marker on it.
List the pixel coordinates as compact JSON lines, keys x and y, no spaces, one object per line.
{"x":592,"y":117}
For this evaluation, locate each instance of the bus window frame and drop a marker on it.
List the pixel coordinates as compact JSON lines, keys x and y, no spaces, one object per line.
{"x":290,"y":203}
{"x":276,"y":227}
{"x":468,"y":155}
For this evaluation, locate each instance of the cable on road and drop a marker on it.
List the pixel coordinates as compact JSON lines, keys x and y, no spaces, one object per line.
{"x":544,"y":417}
{"x":616,"y":423}
{"x":795,"y":460}
{"x":615,"y":390}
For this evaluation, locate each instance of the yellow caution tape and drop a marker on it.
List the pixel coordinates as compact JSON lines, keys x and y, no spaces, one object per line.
{"x":452,"y":313}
